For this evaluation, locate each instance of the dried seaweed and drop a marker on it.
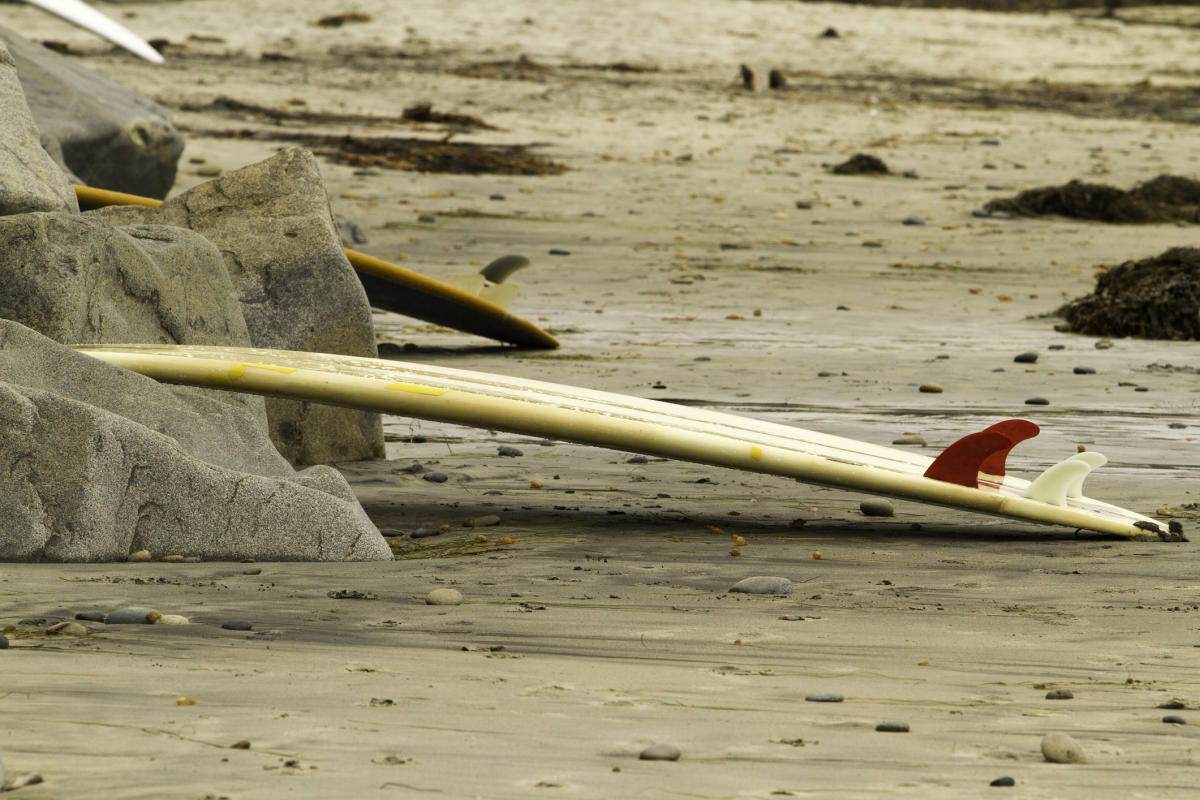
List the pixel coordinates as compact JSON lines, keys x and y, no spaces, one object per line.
{"x":1155,"y":298}
{"x":1167,"y":198}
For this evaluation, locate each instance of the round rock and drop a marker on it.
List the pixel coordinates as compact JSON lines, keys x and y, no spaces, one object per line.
{"x":1174,"y":719}
{"x":436,"y":477}
{"x":132,"y":615}
{"x":237,"y":625}
{"x":1003,"y":781}
{"x":660,"y":752}
{"x":930,"y":388}
{"x":824,"y":697}
{"x":1037,"y":401}
{"x":444,"y":597}
{"x":509,"y":451}
{"x":763,"y":584}
{"x":1028,"y":357}
{"x":1059,"y":748}
{"x":876,"y":508}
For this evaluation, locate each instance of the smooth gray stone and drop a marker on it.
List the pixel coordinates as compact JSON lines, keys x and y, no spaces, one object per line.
{"x":131,"y":615}
{"x":237,"y":625}
{"x":91,"y":616}
{"x":763,"y":584}
{"x":660,"y":752}
{"x":1060,"y":748}
{"x":297,"y":290}
{"x":106,"y":462}
{"x":1174,"y":719}
{"x":31,"y":181}
{"x":108,"y":136}
{"x":892,"y":727}
{"x":825,"y":697}
{"x":876,"y":508}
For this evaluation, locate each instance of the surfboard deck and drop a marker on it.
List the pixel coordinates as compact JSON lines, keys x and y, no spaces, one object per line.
{"x":84,"y":16}
{"x":391,"y":287}
{"x":634,"y":424}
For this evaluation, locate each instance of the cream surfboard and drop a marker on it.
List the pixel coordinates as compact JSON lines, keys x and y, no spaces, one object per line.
{"x":968,"y":475}
{"x":88,"y":18}
{"x":476,"y":303}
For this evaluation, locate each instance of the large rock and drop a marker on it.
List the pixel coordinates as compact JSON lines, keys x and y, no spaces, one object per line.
{"x":104,"y":462}
{"x":272,"y":223}
{"x":108,"y":136}
{"x":31,"y":180}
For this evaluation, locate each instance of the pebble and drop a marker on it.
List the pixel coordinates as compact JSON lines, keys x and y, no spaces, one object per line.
{"x":172,"y":619}
{"x":763,"y":584}
{"x":1060,"y":694}
{"x":209,"y":171}
{"x":876,"y":508}
{"x":912,"y":219}
{"x":910,"y":438}
{"x":1028,"y":357}
{"x":637,"y":460}
{"x":1003,"y":781}
{"x":237,"y":625}
{"x":140,"y":555}
{"x":483,"y":522}
{"x":91,"y":616}
{"x":1173,"y":703}
{"x":1176,"y":425}
{"x":67,"y":629}
{"x":3,"y":642}
{"x":1084,"y":371}
{"x":892,"y":727}
{"x":1037,"y":401}
{"x":930,"y":388}
{"x":825,"y":697}
{"x":421,"y":533}
{"x":1059,"y":748}
{"x":990,"y":142}
{"x":1174,"y":719}
{"x":496,"y":197}
{"x":444,"y":597}
{"x":558,"y":251}
{"x":436,"y":477}
{"x":509,"y":451}
{"x":427,"y":218}
{"x":132,"y":615}
{"x":660,"y":752}
{"x":1104,"y":344}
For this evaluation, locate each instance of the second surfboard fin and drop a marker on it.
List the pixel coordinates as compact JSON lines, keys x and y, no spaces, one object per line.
{"x":984,"y":451}
{"x":489,"y":283}
{"x":1064,"y":479}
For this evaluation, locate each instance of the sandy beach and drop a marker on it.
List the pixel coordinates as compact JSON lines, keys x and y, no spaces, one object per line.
{"x":696,"y":247}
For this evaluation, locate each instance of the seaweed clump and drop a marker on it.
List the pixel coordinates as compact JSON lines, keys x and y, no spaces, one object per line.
{"x":1167,"y":198}
{"x":1155,"y":298}
{"x":862,"y":164}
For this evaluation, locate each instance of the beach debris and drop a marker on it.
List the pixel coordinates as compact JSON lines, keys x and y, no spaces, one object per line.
{"x":184,"y":701}
{"x":508,"y":451}
{"x":763,"y":584}
{"x":132,"y":615}
{"x":824,"y":697}
{"x":21,"y":781}
{"x":862,"y":164}
{"x":345,"y":18}
{"x":776,"y":80}
{"x":1060,"y":694}
{"x":1060,"y":748}
{"x":876,"y":508}
{"x":930,"y":388}
{"x":1004,"y":780}
{"x":351,"y":594}
{"x":444,"y":596}
{"x":1174,"y":719}
{"x":1166,"y":198}
{"x":892,"y":727}
{"x":1154,"y":298}
{"x":237,"y":625}
{"x":660,"y":752}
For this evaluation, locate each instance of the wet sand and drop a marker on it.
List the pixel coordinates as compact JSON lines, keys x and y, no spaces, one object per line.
{"x":692,"y":275}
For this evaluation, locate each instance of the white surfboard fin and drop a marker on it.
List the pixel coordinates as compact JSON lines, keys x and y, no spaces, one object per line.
{"x":84,"y":16}
{"x":1064,"y":479}
{"x":489,"y":283}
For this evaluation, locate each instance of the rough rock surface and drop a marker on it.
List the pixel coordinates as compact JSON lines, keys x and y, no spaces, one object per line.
{"x":109,"y":136}
{"x":272,"y":223}
{"x":105,"y":462}
{"x":31,"y":180}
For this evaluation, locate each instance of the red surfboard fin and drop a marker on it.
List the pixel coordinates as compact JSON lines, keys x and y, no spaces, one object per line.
{"x":983,"y":451}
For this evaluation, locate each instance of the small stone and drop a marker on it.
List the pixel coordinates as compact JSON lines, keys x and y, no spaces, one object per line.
{"x":243,"y":744}
{"x":1028,"y":357}
{"x":930,"y":388}
{"x":824,"y":697}
{"x":184,"y":701}
{"x":426,"y":218}
{"x":91,"y":616}
{"x":660,"y":752}
{"x":892,"y":727}
{"x":1084,"y":371}
{"x":483,"y":522}
{"x":1176,"y":425}
{"x":209,"y":171}
{"x":436,"y":477}
{"x":172,"y":619}
{"x":496,"y":197}
{"x":876,"y":508}
{"x":990,"y":142}
{"x":1104,"y":344}
{"x":1173,"y":703}
{"x":1060,"y":694}
{"x":67,"y":629}
{"x":237,"y":625}
{"x":174,"y":558}
{"x":3,"y":642}
{"x":444,"y":597}
{"x":1037,"y":401}
{"x":637,"y":460}
{"x":1059,"y":748}
{"x":421,"y":533}
{"x":1003,"y":781}
{"x":558,"y":251}
{"x":508,"y":451}
{"x":129,"y":616}
{"x":912,"y":219}
{"x":140,"y":555}
{"x":910,"y":438}
{"x":763,"y":584}
{"x":1174,"y":719}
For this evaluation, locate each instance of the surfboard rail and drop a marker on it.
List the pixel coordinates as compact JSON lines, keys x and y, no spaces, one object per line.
{"x":619,"y":422}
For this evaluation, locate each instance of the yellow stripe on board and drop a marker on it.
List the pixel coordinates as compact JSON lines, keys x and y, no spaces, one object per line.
{"x":240,"y":369}
{"x":756,"y":452}
{"x":416,"y":388}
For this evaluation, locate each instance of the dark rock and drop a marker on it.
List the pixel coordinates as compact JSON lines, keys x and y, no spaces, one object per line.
{"x":776,"y":80}
{"x":436,"y":477}
{"x":109,"y":462}
{"x":1028,"y":357}
{"x":237,"y":625}
{"x":763,"y":584}
{"x":660,"y":752}
{"x":1174,"y":719}
{"x":1155,"y":298}
{"x":558,"y":251}
{"x":108,"y":136}
{"x":1003,"y":781}
{"x":829,"y":33}
{"x":892,"y":727}
{"x":862,"y":164}
{"x":1060,"y":694}
{"x":876,"y":508}
{"x":3,"y":642}
{"x":509,"y":451}
{"x":1037,"y":401}
{"x":272,"y":224}
{"x":912,"y":219}
{"x":131,"y":615}
{"x":1084,"y":371}
{"x":825,"y":697}
{"x":32,"y":181}
{"x":930,"y":388}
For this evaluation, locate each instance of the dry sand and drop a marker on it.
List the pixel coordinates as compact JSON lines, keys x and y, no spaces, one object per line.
{"x":610,"y":606}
